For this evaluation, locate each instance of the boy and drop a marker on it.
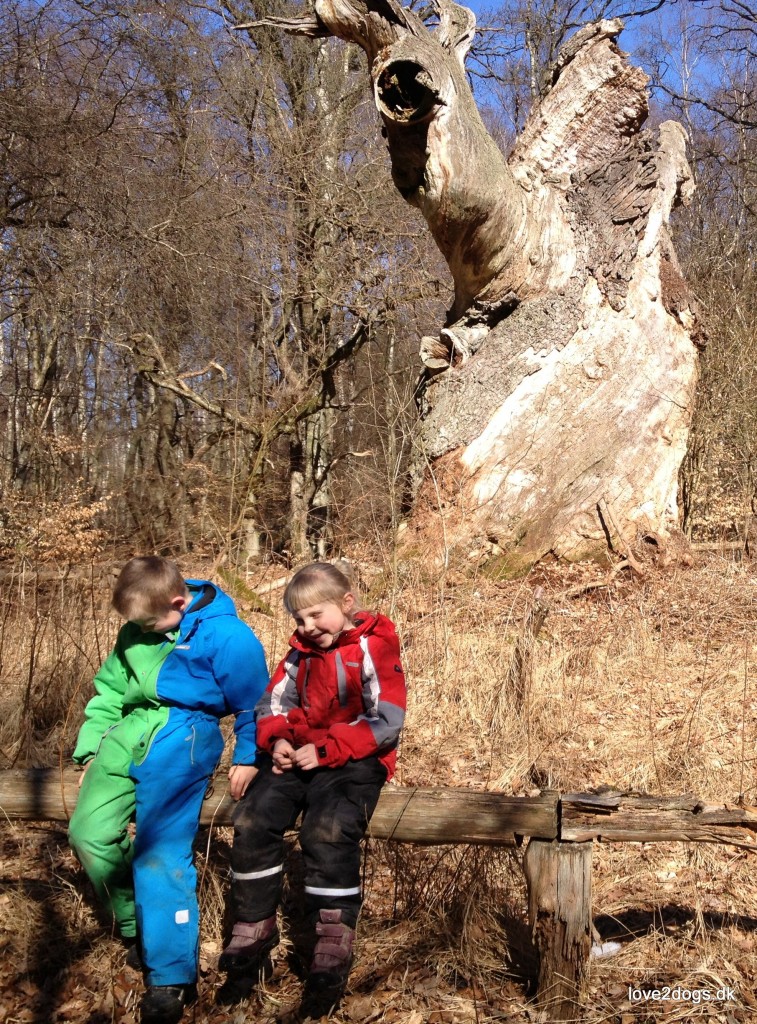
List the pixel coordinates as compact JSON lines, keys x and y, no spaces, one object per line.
{"x":149,"y":745}
{"x":328,"y":728}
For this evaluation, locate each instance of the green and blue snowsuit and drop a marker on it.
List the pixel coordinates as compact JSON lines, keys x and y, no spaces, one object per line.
{"x":152,"y":733}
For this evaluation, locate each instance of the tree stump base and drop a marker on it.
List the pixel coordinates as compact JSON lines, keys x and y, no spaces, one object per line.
{"x":559,"y":910}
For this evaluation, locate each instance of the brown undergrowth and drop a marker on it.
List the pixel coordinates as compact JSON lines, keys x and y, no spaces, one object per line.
{"x":641,"y":683}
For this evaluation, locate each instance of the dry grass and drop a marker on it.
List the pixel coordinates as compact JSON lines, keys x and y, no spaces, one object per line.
{"x":646,"y":684}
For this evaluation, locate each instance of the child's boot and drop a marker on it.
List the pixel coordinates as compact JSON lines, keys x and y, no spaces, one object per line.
{"x":330,"y":967}
{"x":251,"y":942}
{"x":246,"y":958}
{"x":164,"y":1004}
{"x":133,"y":956}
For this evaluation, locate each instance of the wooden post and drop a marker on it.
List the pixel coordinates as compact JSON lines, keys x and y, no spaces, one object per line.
{"x":559,"y":910}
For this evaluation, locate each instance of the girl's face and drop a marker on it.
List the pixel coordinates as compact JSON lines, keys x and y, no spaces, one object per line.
{"x":322,"y":623}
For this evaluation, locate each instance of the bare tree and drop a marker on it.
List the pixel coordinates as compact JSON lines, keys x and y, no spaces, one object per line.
{"x":562,"y":418}
{"x":518,"y":42}
{"x":55,"y":103}
{"x":336,"y":245}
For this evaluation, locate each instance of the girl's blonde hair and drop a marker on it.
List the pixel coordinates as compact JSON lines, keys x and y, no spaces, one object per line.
{"x":319,"y":582}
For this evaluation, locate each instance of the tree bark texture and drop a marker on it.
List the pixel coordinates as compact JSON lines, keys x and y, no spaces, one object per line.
{"x":559,"y":912}
{"x":611,"y":816}
{"x":557,"y":398}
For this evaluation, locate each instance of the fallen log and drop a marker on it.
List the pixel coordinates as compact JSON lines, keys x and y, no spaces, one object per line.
{"x":404,"y":814}
{"x":557,"y":862}
{"x":611,"y":816}
{"x":415,"y":814}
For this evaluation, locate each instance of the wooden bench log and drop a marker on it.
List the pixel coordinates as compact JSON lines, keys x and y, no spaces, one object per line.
{"x":404,"y":814}
{"x":443,"y":816}
{"x":611,"y":816}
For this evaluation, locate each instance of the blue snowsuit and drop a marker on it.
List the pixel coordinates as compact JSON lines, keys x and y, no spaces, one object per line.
{"x":152,"y":733}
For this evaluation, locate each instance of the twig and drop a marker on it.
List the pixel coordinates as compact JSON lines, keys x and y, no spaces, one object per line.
{"x":609,"y":520}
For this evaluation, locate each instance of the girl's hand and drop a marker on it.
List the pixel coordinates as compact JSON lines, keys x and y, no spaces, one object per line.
{"x":240,"y":777}
{"x":283,"y":757}
{"x":306,"y":757}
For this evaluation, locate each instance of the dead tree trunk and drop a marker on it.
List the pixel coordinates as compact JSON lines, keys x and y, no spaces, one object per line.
{"x":558,"y":396}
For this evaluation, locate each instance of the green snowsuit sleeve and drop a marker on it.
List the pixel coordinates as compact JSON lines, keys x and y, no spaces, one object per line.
{"x":106,"y":707}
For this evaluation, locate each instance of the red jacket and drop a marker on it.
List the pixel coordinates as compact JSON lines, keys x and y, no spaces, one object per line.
{"x":348,"y":700}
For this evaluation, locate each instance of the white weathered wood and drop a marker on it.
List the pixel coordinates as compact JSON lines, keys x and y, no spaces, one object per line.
{"x":561,"y":424}
{"x":612,"y":816}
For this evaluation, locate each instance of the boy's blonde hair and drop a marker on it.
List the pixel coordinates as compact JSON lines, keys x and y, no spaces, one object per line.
{"x":319,"y":582}
{"x":146,"y":586}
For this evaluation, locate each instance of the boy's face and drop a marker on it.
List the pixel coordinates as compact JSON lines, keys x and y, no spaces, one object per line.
{"x":322,"y":623}
{"x":168,"y":620}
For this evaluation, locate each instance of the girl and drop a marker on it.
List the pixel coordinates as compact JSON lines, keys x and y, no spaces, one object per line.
{"x":328,"y":726}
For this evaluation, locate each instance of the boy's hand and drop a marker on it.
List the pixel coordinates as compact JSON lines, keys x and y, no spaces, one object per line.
{"x":283,"y":757}
{"x":306,"y":757}
{"x":240,"y":777}
{"x":83,"y":773}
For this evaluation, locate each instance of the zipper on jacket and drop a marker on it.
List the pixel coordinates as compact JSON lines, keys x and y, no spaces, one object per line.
{"x":305,"y":702}
{"x":341,"y":679}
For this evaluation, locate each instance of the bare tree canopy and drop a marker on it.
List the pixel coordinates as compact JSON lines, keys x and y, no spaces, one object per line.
{"x":192,"y":266}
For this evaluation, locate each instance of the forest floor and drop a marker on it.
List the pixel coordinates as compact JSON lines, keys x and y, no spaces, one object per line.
{"x":647,"y":683}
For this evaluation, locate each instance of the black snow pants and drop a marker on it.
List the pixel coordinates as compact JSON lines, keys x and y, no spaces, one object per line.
{"x":336,"y":806}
